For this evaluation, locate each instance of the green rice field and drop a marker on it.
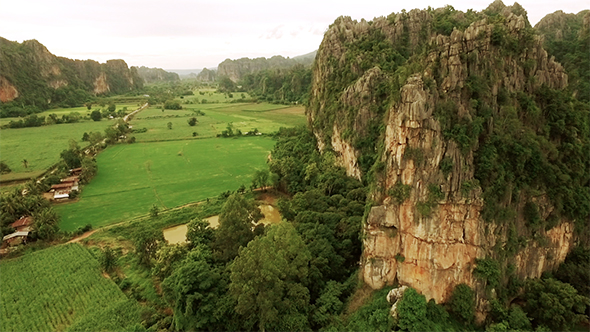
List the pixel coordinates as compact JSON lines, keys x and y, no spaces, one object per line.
{"x":41,"y":146}
{"x":133,"y":177}
{"x":55,"y":288}
{"x":266,"y":118}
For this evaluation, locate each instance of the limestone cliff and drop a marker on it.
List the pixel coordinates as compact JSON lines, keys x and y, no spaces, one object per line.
{"x":413,"y":108}
{"x":236,"y":69}
{"x":207,"y":75}
{"x":32,"y":74}
{"x":151,"y":75}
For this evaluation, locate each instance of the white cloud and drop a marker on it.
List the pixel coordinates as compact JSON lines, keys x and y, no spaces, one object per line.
{"x":197,"y":33}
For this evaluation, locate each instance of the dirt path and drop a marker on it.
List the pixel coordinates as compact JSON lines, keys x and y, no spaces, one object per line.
{"x":82,"y":237}
{"x":126,"y":117}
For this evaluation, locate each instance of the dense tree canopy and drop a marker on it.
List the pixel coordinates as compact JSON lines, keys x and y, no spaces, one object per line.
{"x":268,"y":281}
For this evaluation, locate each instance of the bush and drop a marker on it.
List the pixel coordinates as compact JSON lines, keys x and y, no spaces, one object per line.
{"x":489,"y":270}
{"x":400,"y":192}
{"x":462,"y":303}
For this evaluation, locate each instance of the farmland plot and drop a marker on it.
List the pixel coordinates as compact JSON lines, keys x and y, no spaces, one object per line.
{"x":133,"y":177}
{"x":51,"y":289}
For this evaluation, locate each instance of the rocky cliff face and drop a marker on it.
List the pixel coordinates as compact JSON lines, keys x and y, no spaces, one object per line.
{"x":151,"y":75}
{"x":236,"y":69}
{"x":30,"y":61}
{"x":207,"y":75}
{"x":426,"y":228}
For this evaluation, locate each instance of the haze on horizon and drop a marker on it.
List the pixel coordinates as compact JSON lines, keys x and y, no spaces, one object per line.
{"x":184,"y":34}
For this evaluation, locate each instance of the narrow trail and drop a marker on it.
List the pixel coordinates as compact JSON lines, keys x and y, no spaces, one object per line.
{"x":127,"y":117}
{"x":82,"y":237}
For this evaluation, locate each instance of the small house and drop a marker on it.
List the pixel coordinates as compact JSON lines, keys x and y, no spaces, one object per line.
{"x":61,"y":194}
{"x":76,"y":171}
{"x":73,"y":180}
{"x":24,"y":224}
{"x":62,"y":186}
{"x":15,"y":238}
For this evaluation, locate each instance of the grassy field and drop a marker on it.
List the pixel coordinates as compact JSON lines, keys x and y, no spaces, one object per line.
{"x":266,"y":118}
{"x":51,"y":289}
{"x":41,"y":146}
{"x":133,"y":177}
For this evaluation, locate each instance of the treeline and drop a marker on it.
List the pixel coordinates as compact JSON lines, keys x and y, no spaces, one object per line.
{"x":34,"y":120}
{"x":284,"y":86}
{"x":279,"y":85}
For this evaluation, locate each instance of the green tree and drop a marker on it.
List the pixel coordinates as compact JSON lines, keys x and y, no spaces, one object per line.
{"x":112,"y":107}
{"x":199,"y":232}
{"x":268,"y":281}
{"x":260,"y":179}
{"x":46,"y":223}
{"x":192,"y":121}
{"x":169,"y":125}
{"x":236,"y":221}
{"x":412,"y":311}
{"x":226,"y":84}
{"x":89,"y":169}
{"x":146,"y":244}
{"x":194,"y":289}
{"x":554,"y":304}
{"x":462,"y":303}
{"x":4,"y":169}
{"x":111,"y":135}
{"x":167,"y":258}
{"x":96,"y":115}
{"x":95,"y":137}
{"x":154,"y":211}
{"x":108,"y":260}
{"x":25,"y":163}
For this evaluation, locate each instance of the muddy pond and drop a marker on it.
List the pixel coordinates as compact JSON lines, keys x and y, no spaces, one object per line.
{"x":177,"y":234}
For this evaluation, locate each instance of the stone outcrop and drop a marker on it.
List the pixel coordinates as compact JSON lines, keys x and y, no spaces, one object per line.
{"x":152,"y":75}
{"x":100,"y":84}
{"x":8,"y":91}
{"x":430,"y":244}
{"x":207,"y":75}
{"x":31,"y":60}
{"x":236,"y":69}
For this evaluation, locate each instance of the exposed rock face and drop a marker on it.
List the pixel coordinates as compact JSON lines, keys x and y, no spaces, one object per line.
{"x":31,"y":61}
{"x":556,"y":25}
{"x":207,"y":75}
{"x":430,"y":244}
{"x":151,"y":75}
{"x":100,"y":84}
{"x":8,"y":91}
{"x":236,"y":69}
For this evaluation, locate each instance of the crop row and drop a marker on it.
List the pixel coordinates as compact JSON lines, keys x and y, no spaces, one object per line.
{"x":50,"y":289}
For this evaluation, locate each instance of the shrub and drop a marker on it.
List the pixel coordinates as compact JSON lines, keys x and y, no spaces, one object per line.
{"x":400,"y":192}
{"x":462,"y":303}
{"x":446,"y":166}
{"x":489,"y":270}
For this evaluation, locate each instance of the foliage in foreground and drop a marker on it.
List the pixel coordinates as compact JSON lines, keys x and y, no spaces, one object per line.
{"x":51,"y":289}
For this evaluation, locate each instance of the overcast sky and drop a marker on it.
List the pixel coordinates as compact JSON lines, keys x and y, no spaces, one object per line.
{"x":189,"y":34}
